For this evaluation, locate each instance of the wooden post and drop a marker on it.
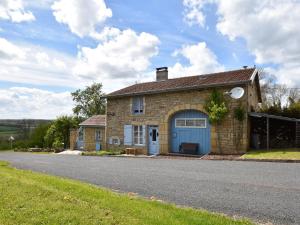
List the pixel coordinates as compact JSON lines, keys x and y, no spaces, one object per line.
{"x":268,"y":133}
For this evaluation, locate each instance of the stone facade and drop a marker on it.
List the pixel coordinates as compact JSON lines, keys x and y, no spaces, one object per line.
{"x":73,"y":138}
{"x":89,"y":138}
{"x":159,"y":108}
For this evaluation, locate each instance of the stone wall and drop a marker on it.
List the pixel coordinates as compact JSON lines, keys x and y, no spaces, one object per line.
{"x":73,"y":138}
{"x":159,"y":108}
{"x":89,"y":138}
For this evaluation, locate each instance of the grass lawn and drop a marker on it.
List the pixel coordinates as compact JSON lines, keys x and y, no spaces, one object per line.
{"x":273,"y":154}
{"x":33,"y":198}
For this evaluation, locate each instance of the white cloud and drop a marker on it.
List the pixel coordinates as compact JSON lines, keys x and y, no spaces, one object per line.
{"x":270,"y":29}
{"x":125,"y":54}
{"x":44,"y":4}
{"x":23,"y":63}
{"x":14,"y":11}
{"x":201,"y":60}
{"x":81,"y":16}
{"x":193,"y":12}
{"x":21,"y":102}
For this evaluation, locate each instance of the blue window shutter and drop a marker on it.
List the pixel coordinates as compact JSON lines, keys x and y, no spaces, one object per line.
{"x":144,"y":134}
{"x":127,"y":134}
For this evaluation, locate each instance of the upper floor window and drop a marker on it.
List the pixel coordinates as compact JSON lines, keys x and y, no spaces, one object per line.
{"x":138,"y":105}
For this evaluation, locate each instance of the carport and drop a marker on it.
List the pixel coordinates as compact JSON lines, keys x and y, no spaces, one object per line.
{"x":270,"y":131}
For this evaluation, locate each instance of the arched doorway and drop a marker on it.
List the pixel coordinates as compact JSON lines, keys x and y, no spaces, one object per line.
{"x":190,"y":126}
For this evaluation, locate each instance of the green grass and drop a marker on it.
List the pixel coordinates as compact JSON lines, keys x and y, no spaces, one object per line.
{"x":8,"y":130}
{"x":34,"y":198}
{"x":286,"y":154}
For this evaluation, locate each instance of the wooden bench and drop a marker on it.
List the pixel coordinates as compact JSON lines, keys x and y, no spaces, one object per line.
{"x":131,"y":151}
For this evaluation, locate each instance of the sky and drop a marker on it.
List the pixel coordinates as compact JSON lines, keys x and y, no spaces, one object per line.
{"x":49,"y":48}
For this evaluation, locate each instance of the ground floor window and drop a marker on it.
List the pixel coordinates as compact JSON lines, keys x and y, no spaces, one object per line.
{"x":97,"y":135}
{"x":138,"y":135}
{"x":190,"y":122}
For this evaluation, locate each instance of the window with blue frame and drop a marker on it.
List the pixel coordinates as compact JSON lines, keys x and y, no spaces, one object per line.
{"x":97,"y":135}
{"x":138,"y":105}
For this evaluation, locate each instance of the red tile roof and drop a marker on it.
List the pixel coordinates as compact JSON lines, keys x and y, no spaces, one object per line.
{"x":185,"y":83}
{"x":97,"y":120}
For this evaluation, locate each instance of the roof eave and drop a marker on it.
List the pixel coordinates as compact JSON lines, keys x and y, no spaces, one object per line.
{"x":83,"y":125}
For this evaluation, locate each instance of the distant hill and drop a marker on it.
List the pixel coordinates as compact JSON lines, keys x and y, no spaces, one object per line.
{"x":20,"y":128}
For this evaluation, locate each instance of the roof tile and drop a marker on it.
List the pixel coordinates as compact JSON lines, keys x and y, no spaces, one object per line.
{"x":97,"y":120}
{"x":185,"y":83}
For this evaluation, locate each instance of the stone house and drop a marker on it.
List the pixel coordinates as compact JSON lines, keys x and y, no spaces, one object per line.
{"x":159,"y":117}
{"x":90,"y":136}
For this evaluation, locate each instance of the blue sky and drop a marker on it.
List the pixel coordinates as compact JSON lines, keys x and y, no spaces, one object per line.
{"x":51,"y":48}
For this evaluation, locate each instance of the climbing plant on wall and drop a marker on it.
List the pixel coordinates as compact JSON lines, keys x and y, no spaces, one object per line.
{"x":239,"y":114}
{"x":217,"y":109}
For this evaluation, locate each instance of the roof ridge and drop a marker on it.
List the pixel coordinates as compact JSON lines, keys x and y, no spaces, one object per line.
{"x":204,"y":74}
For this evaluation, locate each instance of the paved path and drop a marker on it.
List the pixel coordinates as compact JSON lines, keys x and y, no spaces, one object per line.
{"x":261,"y":191}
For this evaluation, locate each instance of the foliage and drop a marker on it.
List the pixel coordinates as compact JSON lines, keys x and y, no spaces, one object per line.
{"x":5,"y":144}
{"x":38,"y":134}
{"x":89,"y":101}
{"x":239,"y":113}
{"x":275,"y":94}
{"x":292,"y":110}
{"x":58,"y":134}
{"x":284,"y":154}
{"x":34,"y":198}
{"x":216,"y":107}
{"x":101,"y":153}
{"x":217,"y":110}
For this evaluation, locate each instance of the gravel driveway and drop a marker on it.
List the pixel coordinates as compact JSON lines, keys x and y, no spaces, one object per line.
{"x":265,"y":192}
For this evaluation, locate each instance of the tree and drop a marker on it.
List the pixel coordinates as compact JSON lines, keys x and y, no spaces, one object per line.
{"x":278,"y":99}
{"x":216,"y":108}
{"x":58,"y":134}
{"x":275,"y":95}
{"x":89,"y":101}
{"x":38,"y":134}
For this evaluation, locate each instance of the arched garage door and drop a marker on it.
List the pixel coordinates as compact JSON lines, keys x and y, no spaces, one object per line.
{"x":190,"y":126}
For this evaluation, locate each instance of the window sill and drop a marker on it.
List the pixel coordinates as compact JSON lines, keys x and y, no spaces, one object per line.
{"x":139,"y":145}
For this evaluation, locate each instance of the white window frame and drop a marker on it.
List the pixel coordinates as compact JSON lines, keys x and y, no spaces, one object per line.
{"x":140,"y":135}
{"x":185,"y":119}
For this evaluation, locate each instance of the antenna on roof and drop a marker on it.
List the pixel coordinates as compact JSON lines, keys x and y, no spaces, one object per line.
{"x":245,"y":67}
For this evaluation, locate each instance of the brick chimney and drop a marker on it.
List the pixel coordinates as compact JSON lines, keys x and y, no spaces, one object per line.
{"x":161,"y":73}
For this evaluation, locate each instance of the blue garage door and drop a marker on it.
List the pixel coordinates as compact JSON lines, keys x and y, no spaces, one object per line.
{"x":190,"y":126}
